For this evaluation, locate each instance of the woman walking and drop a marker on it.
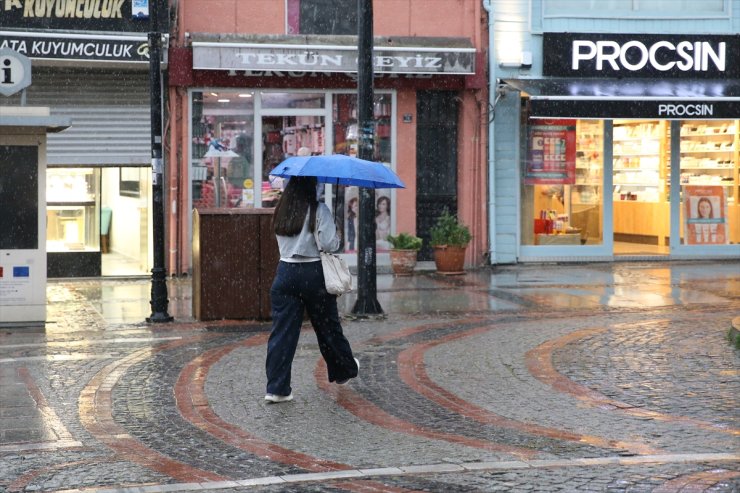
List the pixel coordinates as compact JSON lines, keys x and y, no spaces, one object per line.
{"x":299,"y":222}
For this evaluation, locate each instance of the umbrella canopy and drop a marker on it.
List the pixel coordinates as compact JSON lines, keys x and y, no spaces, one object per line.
{"x":339,"y":169}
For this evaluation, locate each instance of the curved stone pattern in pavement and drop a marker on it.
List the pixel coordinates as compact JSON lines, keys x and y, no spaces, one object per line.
{"x":645,"y":365}
{"x":393,"y":395}
{"x":623,"y":399}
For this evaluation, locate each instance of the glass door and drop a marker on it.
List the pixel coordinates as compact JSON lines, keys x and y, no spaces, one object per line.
{"x":125,"y":221}
{"x":283,"y":137}
{"x":289,"y":124}
{"x":641,"y":218}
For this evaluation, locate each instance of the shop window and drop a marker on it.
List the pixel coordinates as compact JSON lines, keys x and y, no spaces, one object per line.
{"x":322,"y":17}
{"x":562,"y":192}
{"x":608,"y":8}
{"x":72,"y":209}
{"x":223,"y":143}
{"x":346,"y":200}
{"x":222,"y":148}
{"x":709,"y":188}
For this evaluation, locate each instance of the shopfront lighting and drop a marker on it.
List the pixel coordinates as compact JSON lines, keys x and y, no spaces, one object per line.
{"x":224,"y":100}
{"x":525,"y":61}
{"x":245,"y":95}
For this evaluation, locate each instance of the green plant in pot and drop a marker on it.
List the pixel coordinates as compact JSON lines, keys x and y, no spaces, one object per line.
{"x":404,"y":248}
{"x":449,"y":239}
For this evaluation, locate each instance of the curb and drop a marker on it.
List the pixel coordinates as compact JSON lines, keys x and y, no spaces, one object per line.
{"x":735,"y":331}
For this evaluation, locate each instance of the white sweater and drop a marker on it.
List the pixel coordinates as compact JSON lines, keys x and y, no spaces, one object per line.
{"x":302,"y":247}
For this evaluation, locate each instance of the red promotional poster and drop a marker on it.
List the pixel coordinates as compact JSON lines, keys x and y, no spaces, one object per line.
{"x":552,"y":153}
{"x":705,"y":215}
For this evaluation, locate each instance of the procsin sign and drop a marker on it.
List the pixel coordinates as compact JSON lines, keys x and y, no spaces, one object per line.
{"x":641,"y":55}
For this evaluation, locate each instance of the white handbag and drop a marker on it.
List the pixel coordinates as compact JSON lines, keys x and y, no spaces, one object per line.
{"x":337,"y":278}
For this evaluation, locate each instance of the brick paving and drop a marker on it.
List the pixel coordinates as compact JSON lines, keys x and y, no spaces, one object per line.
{"x":594,"y":378}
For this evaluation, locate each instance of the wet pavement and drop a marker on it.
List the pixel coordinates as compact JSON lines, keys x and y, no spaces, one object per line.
{"x":613,"y":377}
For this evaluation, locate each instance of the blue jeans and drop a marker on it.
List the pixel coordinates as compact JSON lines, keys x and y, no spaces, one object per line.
{"x":300,"y":286}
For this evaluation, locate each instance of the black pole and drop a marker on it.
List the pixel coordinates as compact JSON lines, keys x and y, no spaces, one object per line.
{"x":159,"y":299}
{"x":367,"y":303}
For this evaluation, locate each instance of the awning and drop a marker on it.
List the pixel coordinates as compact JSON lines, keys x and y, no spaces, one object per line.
{"x":704,"y":99}
{"x":19,"y":119}
{"x":320,"y":53}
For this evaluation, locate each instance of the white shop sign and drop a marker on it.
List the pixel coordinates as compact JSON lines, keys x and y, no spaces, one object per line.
{"x":295,"y":58}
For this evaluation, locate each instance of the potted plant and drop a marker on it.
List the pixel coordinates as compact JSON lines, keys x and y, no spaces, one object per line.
{"x":404,"y":248}
{"x":449,"y":239}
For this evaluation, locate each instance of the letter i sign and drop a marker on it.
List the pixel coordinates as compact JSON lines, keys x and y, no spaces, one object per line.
{"x":15,"y":72}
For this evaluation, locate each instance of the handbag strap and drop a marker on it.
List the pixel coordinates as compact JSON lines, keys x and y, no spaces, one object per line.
{"x":316,"y":237}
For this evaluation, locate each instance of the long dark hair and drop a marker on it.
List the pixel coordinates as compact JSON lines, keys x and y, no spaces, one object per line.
{"x":350,"y":213}
{"x":290,"y":212}
{"x":387,"y":201}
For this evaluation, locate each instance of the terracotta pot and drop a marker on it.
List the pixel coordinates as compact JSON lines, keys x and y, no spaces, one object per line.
{"x":449,"y":259}
{"x":403,"y":261}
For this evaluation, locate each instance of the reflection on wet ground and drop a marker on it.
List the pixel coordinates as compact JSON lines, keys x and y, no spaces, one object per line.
{"x":500,"y":288}
{"x":610,"y":376}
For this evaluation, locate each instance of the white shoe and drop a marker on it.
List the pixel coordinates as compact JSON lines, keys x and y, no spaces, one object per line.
{"x":274,"y":398}
{"x":342,"y":382}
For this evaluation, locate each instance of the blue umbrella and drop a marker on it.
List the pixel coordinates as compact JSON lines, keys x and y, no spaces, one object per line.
{"x":338,"y":169}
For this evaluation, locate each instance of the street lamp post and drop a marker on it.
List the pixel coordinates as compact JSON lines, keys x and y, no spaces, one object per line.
{"x":367,"y":303}
{"x":159,"y":299}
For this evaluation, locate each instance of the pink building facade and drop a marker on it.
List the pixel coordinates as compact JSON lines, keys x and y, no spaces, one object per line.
{"x":251,"y":83}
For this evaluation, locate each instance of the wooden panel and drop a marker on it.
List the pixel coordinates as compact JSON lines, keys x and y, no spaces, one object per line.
{"x":641,"y":218}
{"x":559,"y":239}
{"x":234,"y":260}
{"x":269,"y":258}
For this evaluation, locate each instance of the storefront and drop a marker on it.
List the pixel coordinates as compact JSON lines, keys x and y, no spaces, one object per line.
{"x":631,"y":148}
{"x":282,"y":123}
{"x":92,"y":69}
{"x":252,"y":101}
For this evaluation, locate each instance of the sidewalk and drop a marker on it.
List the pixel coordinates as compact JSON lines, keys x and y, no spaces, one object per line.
{"x":501,"y":288}
{"x":613,"y":377}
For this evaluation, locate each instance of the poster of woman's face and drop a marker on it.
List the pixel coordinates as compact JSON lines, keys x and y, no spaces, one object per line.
{"x":706,"y":217}
{"x":382,"y":218}
{"x":704,"y":207}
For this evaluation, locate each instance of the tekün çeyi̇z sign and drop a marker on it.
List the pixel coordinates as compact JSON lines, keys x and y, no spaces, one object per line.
{"x":212,"y":56}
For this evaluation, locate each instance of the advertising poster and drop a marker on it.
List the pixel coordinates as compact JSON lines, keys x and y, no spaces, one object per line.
{"x":551,"y":156}
{"x":705,"y":215}
{"x":382,"y":219}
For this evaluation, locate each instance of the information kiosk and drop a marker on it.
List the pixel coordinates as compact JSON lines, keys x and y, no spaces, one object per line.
{"x":23,"y":132}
